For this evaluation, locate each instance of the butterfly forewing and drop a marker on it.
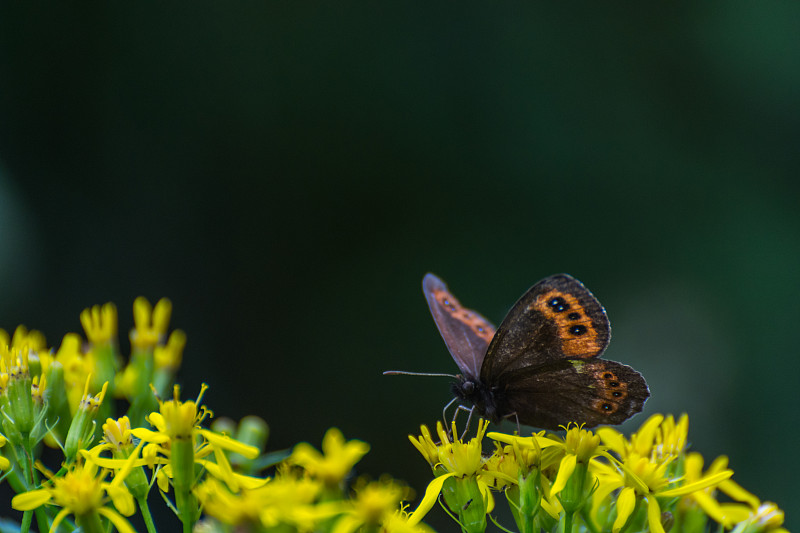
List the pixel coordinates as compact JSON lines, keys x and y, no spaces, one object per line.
{"x":557,"y":318}
{"x":466,"y":333}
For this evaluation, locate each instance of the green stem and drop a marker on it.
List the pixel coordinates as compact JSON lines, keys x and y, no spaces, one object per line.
{"x":27,"y":517}
{"x":90,"y":523}
{"x":568,"y":517}
{"x":148,"y":519}
{"x":41,"y":519}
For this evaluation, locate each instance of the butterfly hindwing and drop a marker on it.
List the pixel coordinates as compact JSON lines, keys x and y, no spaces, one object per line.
{"x":594,"y":391}
{"x":465,"y":332}
{"x":557,"y":318}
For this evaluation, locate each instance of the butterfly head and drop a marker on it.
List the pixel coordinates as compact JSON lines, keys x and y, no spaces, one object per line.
{"x":486,"y":401}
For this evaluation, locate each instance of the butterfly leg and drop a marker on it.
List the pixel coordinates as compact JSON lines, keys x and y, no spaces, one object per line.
{"x":444,"y":413}
{"x":515,"y":416}
{"x":469,"y":418}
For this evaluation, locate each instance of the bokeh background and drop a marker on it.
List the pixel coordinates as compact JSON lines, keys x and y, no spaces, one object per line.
{"x":286,"y":172}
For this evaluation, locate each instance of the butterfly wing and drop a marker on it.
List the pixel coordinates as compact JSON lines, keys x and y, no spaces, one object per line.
{"x":591,"y":392}
{"x":557,"y":318}
{"x":543,"y":366}
{"x":466,"y":333}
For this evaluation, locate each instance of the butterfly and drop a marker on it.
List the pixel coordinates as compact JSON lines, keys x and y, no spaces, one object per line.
{"x":542,"y":364}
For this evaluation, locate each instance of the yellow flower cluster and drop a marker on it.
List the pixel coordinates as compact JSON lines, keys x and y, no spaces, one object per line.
{"x":590,"y":482}
{"x":57,"y":396}
{"x":219,"y":480}
{"x":214,"y":481}
{"x":308,"y":493}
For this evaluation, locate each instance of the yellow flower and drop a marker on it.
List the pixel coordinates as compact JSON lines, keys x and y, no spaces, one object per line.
{"x":32,"y":340}
{"x":285,"y":500}
{"x":458,"y":467}
{"x":169,"y":356}
{"x":426,"y":446}
{"x":514,"y":464}
{"x":374,"y":502}
{"x":579,"y":446}
{"x":671,"y":437}
{"x":83,"y":493}
{"x":178,"y":427}
{"x":644,"y":479}
{"x":38,"y":389}
{"x":401,"y":522}
{"x":151,"y":323}
{"x":641,"y":442}
{"x":726,"y":514}
{"x":100,"y":324}
{"x":81,"y":430}
{"x":76,"y":369}
{"x":765,"y":517}
{"x":336,"y":460}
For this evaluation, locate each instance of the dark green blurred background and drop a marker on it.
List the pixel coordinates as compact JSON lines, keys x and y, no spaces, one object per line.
{"x":287,"y":172}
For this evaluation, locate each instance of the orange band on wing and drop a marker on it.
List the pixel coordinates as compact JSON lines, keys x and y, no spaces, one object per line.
{"x":578,"y":335}
{"x":475,"y":322}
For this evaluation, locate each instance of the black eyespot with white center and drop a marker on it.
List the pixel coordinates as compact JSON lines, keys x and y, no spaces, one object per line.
{"x":578,"y":330}
{"x":574,"y":316}
{"x":558,"y":304}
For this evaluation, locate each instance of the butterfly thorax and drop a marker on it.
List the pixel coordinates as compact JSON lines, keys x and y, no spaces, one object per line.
{"x":486,"y":401}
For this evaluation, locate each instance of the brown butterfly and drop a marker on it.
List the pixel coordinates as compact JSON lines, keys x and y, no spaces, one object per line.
{"x":542,"y":365}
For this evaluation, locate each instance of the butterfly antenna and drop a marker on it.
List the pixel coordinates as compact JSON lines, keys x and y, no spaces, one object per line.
{"x":405,"y":373}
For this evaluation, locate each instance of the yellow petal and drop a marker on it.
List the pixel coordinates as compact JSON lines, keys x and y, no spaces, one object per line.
{"x":553,"y":510}
{"x":613,"y":439}
{"x":431,"y":496}
{"x":739,"y":493}
{"x":646,"y":434}
{"x":122,"y":525}
{"x":488,"y":499}
{"x":233,"y":445}
{"x":163,"y":481}
{"x":565,"y":470}
{"x":700,"y":484}
{"x":626,"y":502}
{"x":654,"y":515}
{"x":30,"y":500}
{"x":122,"y":499}
{"x":347,"y":524}
{"x":149,"y":436}
{"x":57,"y":520}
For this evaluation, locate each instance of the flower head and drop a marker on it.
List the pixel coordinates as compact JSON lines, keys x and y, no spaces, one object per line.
{"x":336,"y":460}
{"x":100,"y":324}
{"x":645,"y":474}
{"x":180,"y":439}
{"x":151,"y":323}
{"x":83,"y":492}
{"x":459,"y":465}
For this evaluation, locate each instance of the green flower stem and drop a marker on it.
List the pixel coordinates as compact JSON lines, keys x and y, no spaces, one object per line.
{"x":148,"y":518}
{"x":43,"y":521}
{"x":90,"y":523}
{"x":27,"y":517}
{"x":529,"y":501}
{"x":182,"y":479}
{"x":566,"y":523}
